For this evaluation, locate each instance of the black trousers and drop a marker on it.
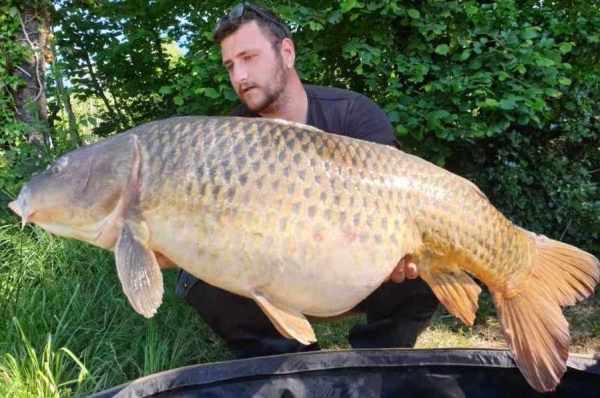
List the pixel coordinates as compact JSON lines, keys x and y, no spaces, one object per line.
{"x":396,"y":314}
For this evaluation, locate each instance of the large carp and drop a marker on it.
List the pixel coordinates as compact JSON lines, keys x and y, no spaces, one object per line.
{"x":307,"y":223}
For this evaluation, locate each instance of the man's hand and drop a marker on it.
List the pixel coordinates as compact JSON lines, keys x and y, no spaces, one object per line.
{"x":406,"y":268}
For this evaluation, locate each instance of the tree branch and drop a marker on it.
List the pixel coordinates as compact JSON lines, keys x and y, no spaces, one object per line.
{"x":37,"y":58}
{"x":23,"y":71}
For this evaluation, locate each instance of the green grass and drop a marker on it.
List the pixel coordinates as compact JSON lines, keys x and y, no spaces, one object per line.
{"x":66,"y":327}
{"x":33,"y":374}
{"x":67,"y":299}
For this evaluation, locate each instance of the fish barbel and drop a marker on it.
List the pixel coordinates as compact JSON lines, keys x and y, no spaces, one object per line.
{"x":307,"y":223}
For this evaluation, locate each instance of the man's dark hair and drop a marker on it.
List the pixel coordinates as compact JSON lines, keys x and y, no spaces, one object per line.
{"x":244,"y":12}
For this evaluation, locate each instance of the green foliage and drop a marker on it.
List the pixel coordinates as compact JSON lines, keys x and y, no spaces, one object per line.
{"x":13,"y":148}
{"x":543,"y":190}
{"x":122,"y":53}
{"x":19,"y":160}
{"x":71,"y":291}
{"x":203,"y":86}
{"x":448,"y":71}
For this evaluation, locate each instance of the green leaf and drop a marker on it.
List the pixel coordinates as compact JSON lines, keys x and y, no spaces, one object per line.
{"x":552,"y":92}
{"x":471,"y":9}
{"x":565,"y":47}
{"x":414,"y":14}
{"x":211,"y":93}
{"x":490,"y":103}
{"x":441,"y":133}
{"x":348,"y":5}
{"x":565,"y":81}
{"x":476,"y":64}
{"x":530,"y":33}
{"x":335,"y":17}
{"x":503,"y":76}
{"x":394,"y":116}
{"x":230,"y":95}
{"x":508,"y":103}
{"x":315,"y":26}
{"x":546,"y":42}
{"x":442,"y":49}
{"x":401,"y":130}
{"x":166,"y":90}
{"x":544,"y":62}
{"x":178,"y":101}
{"x":13,"y":11}
{"x":438,"y":114}
{"x":465,"y":55}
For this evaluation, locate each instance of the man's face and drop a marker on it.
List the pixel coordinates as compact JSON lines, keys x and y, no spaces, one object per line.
{"x":256,"y":70}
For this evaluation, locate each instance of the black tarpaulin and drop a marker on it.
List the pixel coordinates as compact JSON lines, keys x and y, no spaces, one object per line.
{"x":411,"y":373}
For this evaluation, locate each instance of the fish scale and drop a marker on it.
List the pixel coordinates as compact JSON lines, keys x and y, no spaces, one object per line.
{"x":337,"y":160}
{"x":307,"y":223}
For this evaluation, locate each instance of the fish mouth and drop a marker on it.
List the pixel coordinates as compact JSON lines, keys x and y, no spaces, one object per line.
{"x":16,"y":208}
{"x":21,"y":207}
{"x":90,"y":233}
{"x":101,"y":233}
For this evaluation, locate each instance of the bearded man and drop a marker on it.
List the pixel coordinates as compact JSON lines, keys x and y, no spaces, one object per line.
{"x":260,"y":56}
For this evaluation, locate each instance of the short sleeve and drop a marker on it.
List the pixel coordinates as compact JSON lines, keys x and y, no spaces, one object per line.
{"x":366,"y":121}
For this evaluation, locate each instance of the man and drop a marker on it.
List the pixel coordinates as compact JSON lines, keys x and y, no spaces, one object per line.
{"x":259,"y":54}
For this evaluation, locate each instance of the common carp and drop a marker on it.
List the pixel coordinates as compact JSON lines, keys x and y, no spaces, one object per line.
{"x":307,"y":223}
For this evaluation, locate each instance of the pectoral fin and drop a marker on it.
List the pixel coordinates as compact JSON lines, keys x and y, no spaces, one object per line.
{"x":452,"y":286}
{"x":138,"y":269}
{"x":292,"y":325}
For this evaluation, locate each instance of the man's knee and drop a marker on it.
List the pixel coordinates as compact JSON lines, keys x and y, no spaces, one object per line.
{"x":396,"y":314}
{"x":238,"y":320}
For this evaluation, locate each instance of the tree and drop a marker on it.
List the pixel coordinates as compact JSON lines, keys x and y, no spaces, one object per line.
{"x":116,"y":51}
{"x":31,"y":107}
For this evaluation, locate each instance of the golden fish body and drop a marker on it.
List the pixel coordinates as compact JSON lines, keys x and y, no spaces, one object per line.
{"x":308,"y":223}
{"x":306,"y":216}
{"x":275,"y":208}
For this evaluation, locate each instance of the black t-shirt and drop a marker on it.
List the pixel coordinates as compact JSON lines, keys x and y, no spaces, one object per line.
{"x":342,"y":112}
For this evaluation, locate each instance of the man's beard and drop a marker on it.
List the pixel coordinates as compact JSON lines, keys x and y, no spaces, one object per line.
{"x":274,"y":92}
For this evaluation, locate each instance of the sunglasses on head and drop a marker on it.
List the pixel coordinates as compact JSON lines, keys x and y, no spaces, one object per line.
{"x":236,"y":13}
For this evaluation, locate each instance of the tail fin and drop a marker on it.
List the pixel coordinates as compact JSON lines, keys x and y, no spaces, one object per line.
{"x":533,"y":323}
{"x":567,"y":273}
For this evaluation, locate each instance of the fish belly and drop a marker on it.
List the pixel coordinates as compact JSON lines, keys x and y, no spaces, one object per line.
{"x":323,"y":276}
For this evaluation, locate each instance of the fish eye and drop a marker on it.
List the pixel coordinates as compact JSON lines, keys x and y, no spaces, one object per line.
{"x":59,"y":165}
